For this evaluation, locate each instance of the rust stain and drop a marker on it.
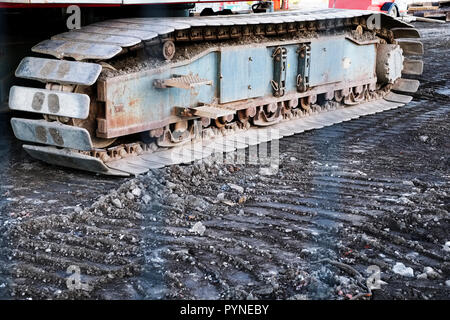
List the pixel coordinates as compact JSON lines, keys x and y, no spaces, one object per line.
{"x":118,"y":108}
{"x":133,"y":102}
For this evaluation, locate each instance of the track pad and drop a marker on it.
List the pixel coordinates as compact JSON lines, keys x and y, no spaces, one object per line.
{"x":52,"y":133}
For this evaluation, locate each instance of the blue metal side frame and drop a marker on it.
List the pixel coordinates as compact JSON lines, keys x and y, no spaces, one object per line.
{"x":133,"y":104}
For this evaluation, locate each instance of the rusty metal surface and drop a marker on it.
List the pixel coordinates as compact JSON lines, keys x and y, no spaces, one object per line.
{"x":131,"y":107}
{"x":133,"y":103}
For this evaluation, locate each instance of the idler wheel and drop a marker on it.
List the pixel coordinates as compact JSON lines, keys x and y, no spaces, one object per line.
{"x":168,"y":50}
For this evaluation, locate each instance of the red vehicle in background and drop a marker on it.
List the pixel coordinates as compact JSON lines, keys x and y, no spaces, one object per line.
{"x":391,"y":7}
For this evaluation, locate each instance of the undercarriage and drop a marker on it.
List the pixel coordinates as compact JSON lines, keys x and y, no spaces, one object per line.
{"x":124,"y":96}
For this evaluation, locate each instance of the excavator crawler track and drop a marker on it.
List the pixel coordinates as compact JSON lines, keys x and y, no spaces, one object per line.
{"x":89,"y":98}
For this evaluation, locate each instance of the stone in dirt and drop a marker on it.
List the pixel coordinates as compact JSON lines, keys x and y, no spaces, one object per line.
{"x":446,"y":246}
{"x":196,"y":202}
{"x":422,"y":276}
{"x":402,"y":270}
{"x":146,"y":198}
{"x":117,"y":203}
{"x":236,"y":187}
{"x":170,"y":185}
{"x":431,"y":273}
{"x":198,"y":228}
{"x":269,"y":171}
{"x":136,"y":192}
{"x":229,"y":203}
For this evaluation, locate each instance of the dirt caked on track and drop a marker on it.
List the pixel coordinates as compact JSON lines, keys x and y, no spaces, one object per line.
{"x":370,"y":192}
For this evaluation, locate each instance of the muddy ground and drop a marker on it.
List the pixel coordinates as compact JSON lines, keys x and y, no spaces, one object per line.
{"x":370,"y":192}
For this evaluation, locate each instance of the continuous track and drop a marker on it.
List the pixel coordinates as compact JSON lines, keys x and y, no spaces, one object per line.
{"x":99,"y":43}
